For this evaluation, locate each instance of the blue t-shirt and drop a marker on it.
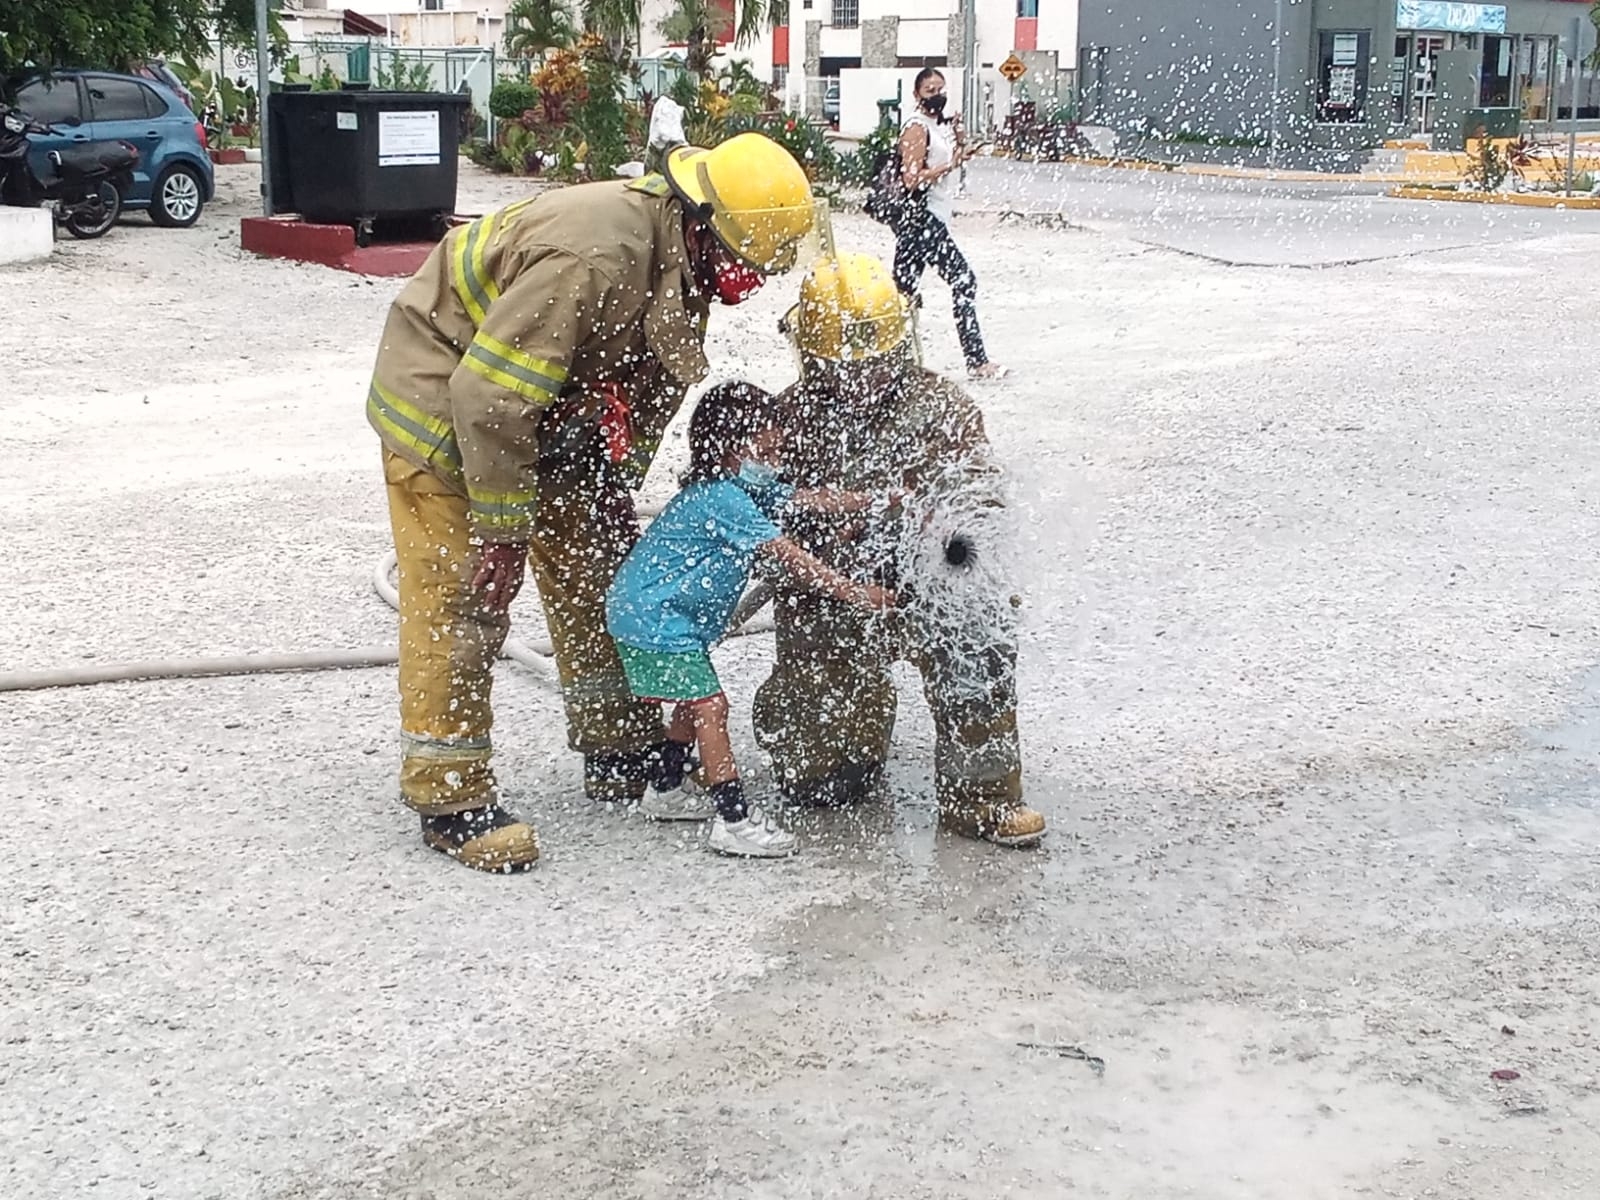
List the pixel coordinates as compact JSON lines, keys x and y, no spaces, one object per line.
{"x":678,"y":587}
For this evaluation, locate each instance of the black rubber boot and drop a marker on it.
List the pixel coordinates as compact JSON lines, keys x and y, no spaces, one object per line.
{"x":854,"y":783}
{"x":620,"y":778}
{"x":485,"y":839}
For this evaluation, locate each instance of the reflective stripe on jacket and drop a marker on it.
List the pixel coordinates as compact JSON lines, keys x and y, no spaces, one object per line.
{"x":539,"y":301}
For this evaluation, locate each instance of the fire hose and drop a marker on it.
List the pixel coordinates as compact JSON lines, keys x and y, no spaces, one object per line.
{"x":538,"y":656}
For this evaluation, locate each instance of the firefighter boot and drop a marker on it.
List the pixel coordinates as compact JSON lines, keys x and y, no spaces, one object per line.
{"x":1006,"y":823}
{"x":485,"y":839}
{"x":845,"y":787}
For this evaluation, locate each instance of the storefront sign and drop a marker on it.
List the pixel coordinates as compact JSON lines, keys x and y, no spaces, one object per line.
{"x":1457,"y":18}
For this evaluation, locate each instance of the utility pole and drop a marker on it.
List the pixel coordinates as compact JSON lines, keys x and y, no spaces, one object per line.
{"x":263,"y":70}
{"x":1574,"y":61}
{"x":969,"y":53}
{"x":1277,"y":82}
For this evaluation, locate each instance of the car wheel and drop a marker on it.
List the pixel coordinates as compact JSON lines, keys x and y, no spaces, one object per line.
{"x":177,"y":199}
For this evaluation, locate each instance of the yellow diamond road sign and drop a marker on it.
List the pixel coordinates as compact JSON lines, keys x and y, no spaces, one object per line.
{"x":1013,"y":68}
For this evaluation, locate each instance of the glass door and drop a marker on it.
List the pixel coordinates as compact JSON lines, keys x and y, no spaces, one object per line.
{"x":1425,"y":80}
{"x":1535,"y":70}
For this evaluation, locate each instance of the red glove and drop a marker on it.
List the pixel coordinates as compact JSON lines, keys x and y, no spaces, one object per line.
{"x":616,"y":421}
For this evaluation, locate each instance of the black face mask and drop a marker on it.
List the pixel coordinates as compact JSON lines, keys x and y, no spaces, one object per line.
{"x":934,"y":105}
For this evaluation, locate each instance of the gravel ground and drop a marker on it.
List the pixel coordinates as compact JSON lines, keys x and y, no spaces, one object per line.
{"x":1306,"y":698}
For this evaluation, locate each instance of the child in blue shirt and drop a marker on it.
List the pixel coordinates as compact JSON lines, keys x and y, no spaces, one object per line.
{"x":673,"y":596}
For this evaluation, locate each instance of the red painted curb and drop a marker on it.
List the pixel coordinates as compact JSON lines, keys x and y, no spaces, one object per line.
{"x":330,"y":246}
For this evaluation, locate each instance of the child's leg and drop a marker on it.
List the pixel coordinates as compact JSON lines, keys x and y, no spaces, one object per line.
{"x":674,"y":764}
{"x":710,"y":717}
{"x":681,"y":727}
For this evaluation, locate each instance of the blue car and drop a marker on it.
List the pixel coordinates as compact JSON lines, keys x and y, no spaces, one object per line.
{"x":174,"y":178}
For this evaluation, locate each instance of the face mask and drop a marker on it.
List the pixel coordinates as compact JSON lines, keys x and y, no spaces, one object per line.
{"x":736,"y":282}
{"x":934,"y":105}
{"x":757,"y":474}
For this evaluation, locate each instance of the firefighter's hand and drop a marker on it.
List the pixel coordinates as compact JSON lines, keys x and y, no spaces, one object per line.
{"x":499,"y":574}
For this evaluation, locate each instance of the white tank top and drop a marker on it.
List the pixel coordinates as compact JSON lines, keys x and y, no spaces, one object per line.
{"x":941,"y":151}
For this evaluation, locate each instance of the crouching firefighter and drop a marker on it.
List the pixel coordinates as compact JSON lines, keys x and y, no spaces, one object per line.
{"x":865,"y":416}
{"x":526,"y":375}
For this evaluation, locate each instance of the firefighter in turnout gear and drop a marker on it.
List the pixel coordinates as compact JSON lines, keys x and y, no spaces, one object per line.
{"x":526,"y":375}
{"x":866,"y":417}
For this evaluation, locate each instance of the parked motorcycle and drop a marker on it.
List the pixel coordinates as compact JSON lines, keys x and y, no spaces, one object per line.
{"x":85,"y":184}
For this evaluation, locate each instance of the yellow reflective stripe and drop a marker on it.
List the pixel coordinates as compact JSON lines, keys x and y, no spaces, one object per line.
{"x":501,"y":510}
{"x":496,"y":374}
{"x":473,"y":285}
{"x":458,"y":254}
{"x":479,"y":271}
{"x":651,"y":185}
{"x":434,"y":440}
{"x":536,"y":378}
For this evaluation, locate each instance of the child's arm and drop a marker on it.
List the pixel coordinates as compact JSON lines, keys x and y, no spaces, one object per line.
{"x":820,"y":577}
{"x":828,"y":500}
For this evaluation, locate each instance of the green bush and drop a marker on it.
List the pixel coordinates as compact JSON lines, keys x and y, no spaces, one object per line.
{"x":508,"y":101}
{"x":601,"y":119}
{"x":859,"y":166}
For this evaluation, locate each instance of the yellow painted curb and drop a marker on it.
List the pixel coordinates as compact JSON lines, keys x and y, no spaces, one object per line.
{"x":1519,"y":199}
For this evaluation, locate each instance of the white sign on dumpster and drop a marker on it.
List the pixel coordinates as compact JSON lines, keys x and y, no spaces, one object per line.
{"x":408,"y":139}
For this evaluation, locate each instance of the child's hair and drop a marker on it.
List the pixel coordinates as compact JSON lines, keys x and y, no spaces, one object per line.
{"x":727,"y":419}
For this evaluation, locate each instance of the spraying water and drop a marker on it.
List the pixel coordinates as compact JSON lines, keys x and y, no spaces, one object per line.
{"x":956,"y":562}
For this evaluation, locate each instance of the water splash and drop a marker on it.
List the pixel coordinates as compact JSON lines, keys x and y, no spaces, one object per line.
{"x":956,"y":565}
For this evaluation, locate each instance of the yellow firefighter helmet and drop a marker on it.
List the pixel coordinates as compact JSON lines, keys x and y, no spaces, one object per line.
{"x":850,"y":310}
{"x":754,"y":195}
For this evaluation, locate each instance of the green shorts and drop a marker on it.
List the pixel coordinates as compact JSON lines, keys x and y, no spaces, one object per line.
{"x":665,"y":675}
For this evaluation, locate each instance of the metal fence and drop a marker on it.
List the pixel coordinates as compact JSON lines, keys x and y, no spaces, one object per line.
{"x":469,"y":70}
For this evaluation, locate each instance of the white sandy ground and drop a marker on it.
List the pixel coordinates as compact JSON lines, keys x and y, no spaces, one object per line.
{"x":1310,"y":597}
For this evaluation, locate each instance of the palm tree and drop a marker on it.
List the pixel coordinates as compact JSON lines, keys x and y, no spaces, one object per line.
{"x":619,"y":22}
{"x":536,"y":27}
{"x":692,"y":22}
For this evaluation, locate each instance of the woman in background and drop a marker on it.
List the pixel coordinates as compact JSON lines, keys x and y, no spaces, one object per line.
{"x":931,"y":151}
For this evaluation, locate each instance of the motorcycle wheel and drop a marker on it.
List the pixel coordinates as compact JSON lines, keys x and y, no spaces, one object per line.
{"x":96,"y":214}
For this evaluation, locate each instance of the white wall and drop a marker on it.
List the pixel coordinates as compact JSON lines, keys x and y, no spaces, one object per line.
{"x":924,"y":38}
{"x":860,"y":89}
{"x":838,"y":43}
{"x":1058,"y":30}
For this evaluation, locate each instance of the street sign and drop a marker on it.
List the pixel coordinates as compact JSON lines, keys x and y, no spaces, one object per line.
{"x":1013,"y":68}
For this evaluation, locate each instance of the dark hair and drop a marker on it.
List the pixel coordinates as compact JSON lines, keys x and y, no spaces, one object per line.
{"x":728,"y":418}
{"x":923,"y":76}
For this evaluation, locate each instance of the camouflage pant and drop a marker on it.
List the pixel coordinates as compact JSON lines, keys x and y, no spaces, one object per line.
{"x":829,"y":704}
{"x":449,"y":641}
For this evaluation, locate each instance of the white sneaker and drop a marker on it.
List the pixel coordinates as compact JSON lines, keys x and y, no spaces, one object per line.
{"x":757,"y":836}
{"x":686,"y":803}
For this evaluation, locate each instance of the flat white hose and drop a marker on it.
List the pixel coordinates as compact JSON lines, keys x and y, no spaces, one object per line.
{"x":538,"y":656}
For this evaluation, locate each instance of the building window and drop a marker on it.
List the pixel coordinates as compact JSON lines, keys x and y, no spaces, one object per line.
{"x":432,"y":5}
{"x":1342,"y":75}
{"x":1494,"y":83}
{"x":846,"y":14}
{"x":1027,"y":10}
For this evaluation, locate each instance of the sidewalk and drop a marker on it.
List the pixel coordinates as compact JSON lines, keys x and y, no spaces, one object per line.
{"x":1416,"y":165}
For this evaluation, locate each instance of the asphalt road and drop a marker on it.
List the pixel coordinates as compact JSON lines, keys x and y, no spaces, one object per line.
{"x":1254,"y":222}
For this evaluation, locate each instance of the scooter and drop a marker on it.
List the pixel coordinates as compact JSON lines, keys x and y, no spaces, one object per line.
{"x":84,"y":187}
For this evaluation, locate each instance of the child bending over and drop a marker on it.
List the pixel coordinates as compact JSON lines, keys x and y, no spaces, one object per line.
{"x":673,"y":596}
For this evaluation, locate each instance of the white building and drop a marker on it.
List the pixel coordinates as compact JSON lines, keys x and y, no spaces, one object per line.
{"x":837,"y":58}
{"x":418,"y":23}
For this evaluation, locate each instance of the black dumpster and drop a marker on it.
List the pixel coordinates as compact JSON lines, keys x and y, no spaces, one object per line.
{"x":361,"y":157}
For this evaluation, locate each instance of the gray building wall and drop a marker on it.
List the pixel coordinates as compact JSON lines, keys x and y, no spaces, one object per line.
{"x":1187,"y":69}
{"x":1200,"y":67}
{"x":880,"y":42}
